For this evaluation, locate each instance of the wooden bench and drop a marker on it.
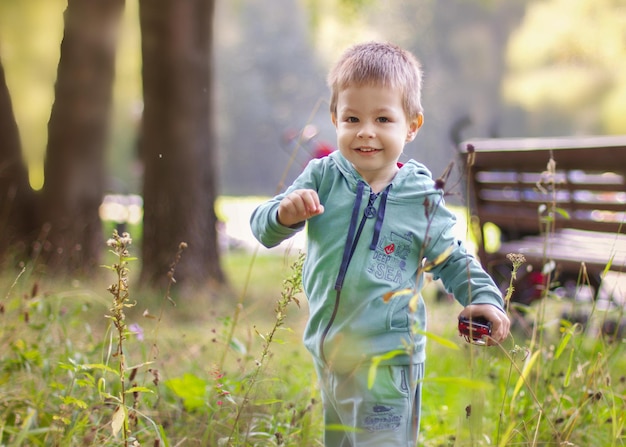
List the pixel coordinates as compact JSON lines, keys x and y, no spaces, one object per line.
{"x":560,"y":202}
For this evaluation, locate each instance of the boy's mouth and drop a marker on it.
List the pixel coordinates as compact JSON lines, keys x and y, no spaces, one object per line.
{"x":367,"y":149}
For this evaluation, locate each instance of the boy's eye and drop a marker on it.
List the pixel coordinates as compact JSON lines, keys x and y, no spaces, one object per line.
{"x":383,"y":119}
{"x":352,"y":119}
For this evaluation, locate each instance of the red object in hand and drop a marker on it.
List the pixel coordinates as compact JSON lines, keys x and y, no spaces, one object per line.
{"x":475,"y":330}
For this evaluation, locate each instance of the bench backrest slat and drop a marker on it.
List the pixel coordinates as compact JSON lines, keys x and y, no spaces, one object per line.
{"x":512,"y":181}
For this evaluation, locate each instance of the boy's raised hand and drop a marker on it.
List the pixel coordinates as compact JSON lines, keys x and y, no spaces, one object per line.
{"x":500,"y":323}
{"x":299,"y":206}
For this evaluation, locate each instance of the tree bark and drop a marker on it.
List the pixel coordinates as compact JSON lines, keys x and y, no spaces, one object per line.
{"x":177,"y":142}
{"x":77,"y":136}
{"x":17,"y":198}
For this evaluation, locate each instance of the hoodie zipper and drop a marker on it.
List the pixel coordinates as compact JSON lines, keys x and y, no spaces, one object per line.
{"x":351,"y":242}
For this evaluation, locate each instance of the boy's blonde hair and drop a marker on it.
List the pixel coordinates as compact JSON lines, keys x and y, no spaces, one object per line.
{"x":378,"y":63}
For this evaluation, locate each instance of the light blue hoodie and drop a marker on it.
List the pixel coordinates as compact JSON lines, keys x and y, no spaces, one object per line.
{"x":365,"y":246}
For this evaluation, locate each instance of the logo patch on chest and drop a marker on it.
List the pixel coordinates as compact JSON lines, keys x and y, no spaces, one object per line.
{"x":390,"y":257}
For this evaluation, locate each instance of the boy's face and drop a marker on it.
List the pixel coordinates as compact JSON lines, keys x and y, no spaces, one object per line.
{"x":372,"y":130}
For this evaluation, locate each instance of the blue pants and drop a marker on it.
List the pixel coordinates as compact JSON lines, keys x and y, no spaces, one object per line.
{"x":388,"y":414}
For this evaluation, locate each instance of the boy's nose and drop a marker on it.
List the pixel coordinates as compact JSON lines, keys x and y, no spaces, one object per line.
{"x":365,"y":131}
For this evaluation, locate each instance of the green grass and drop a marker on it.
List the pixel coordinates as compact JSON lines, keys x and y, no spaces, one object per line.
{"x":223,"y":369}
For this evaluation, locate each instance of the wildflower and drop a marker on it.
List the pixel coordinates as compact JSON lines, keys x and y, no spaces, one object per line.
{"x":134,"y":328}
{"x":218,"y":387}
{"x":121,"y":242}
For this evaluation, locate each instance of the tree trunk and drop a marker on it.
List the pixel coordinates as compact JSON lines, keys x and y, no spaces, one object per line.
{"x":77,"y":136}
{"x":16,"y":196}
{"x":177,"y":142}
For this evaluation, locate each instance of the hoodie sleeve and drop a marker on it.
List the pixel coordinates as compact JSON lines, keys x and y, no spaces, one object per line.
{"x":265,"y":225}
{"x":463,"y":276}
{"x":461,"y":273}
{"x":264,"y":220}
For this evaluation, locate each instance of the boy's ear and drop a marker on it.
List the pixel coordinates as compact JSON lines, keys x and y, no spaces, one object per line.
{"x":414,"y":127}
{"x":333,"y":118}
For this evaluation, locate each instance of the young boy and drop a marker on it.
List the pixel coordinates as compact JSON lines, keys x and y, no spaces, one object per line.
{"x":371,"y":223}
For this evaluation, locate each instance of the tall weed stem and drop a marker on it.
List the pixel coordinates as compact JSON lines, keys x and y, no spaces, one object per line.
{"x":121,"y":300}
{"x":292,"y":286}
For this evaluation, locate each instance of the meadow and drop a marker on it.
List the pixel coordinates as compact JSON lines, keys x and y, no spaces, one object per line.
{"x":110,"y":363}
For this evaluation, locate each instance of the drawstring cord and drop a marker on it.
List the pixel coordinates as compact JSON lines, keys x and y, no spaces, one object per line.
{"x":351,"y":241}
{"x":354,"y":234}
{"x":380,"y":217}
{"x":347,"y":252}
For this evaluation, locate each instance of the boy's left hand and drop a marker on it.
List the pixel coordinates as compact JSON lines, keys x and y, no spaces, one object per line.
{"x":500,"y":323}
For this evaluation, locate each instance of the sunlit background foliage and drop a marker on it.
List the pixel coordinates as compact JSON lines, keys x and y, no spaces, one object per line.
{"x":570,"y":55}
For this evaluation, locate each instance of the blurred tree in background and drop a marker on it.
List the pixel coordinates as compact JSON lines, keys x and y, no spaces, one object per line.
{"x":17,"y":205}
{"x":60,"y":226}
{"x":177,"y":143}
{"x":78,"y":129}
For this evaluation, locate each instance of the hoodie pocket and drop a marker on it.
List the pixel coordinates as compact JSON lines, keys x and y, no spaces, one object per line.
{"x":398,"y":315}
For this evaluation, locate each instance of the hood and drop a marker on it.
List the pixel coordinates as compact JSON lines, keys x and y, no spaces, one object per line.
{"x":415,"y":178}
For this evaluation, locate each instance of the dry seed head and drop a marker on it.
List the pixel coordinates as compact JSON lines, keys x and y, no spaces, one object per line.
{"x":516,"y":259}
